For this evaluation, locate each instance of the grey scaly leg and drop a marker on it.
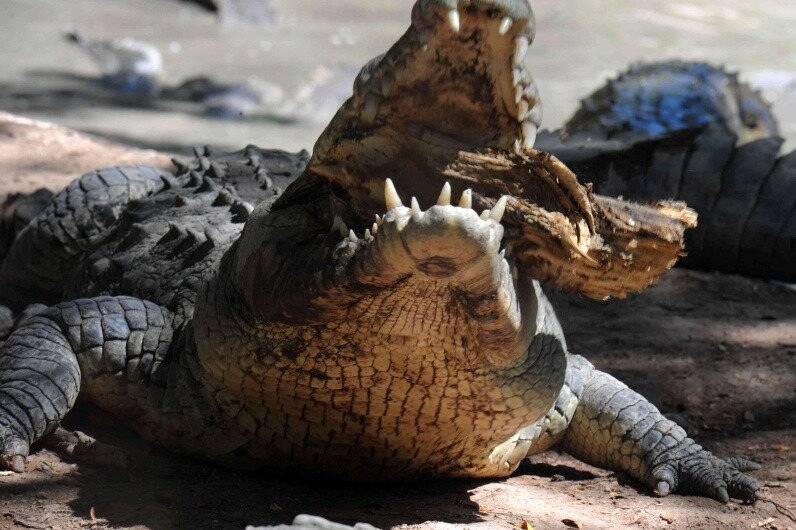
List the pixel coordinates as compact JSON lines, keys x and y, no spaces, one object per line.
{"x":601,"y":421}
{"x":46,"y":250}
{"x":114,"y":350}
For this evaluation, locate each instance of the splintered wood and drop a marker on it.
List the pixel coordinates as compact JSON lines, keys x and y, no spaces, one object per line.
{"x":561,"y":233}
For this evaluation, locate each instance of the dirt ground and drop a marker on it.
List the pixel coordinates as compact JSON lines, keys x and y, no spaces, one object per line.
{"x":37,"y":154}
{"x":715,"y":352}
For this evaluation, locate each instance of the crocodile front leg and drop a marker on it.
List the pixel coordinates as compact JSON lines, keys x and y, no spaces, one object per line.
{"x":118,"y":353}
{"x":601,"y":421}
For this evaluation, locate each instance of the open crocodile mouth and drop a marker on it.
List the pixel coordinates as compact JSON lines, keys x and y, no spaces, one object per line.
{"x":457,"y":74}
{"x":454,"y":82}
{"x":452,"y":101}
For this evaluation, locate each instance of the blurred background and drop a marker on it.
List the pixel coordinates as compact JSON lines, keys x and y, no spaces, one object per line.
{"x":273,"y":72}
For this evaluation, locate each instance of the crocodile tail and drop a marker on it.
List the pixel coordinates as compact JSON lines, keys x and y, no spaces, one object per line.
{"x":745,"y":195}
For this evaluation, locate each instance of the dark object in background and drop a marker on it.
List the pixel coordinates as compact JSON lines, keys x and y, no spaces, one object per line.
{"x":128,"y":66}
{"x":250,"y":11}
{"x":220,"y":100}
{"x":131,"y":70}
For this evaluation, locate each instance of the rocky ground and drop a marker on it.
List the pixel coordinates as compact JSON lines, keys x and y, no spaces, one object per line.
{"x":717,"y":352}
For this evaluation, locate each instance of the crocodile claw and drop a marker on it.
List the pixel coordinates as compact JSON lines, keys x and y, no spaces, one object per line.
{"x":13,"y":453}
{"x":703,"y":473}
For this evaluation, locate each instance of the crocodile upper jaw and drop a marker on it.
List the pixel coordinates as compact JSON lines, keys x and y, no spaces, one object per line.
{"x":456,"y":79}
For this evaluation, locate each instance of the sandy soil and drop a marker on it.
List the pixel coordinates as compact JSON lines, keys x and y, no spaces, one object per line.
{"x":716,"y":352}
{"x":37,"y":154}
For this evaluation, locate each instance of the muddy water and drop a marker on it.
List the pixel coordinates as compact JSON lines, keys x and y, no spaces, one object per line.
{"x":579,"y":43}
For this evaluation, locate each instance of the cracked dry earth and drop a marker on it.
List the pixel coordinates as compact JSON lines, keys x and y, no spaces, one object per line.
{"x":715,"y":352}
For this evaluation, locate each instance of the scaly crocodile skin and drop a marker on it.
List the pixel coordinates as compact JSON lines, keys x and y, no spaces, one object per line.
{"x":663,"y":97}
{"x":413,"y":344}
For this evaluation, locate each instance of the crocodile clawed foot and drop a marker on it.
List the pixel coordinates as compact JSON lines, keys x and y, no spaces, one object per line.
{"x":84,"y":448}
{"x":13,"y":452}
{"x":702,"y":473}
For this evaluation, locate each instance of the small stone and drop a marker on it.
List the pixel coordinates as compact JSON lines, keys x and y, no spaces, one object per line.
{"x":748,"y":416}
{"x":667,"y":517}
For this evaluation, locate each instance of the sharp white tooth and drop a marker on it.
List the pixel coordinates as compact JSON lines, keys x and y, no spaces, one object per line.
{"x":497,"y":211}
{"x":352,"y":236}
{"x":379,"y":220}
{"x":415,"y":205}
{"x":518,"y":92}
{"x":502,"y":254}
{"x":372,"y":103}
{"x":453,"y":20}
{"x":520,"y":49}
{"x":368,"y":235}
{"x":343,"y":229}
{"x":374,"y":229}
{"x":517,"y":146}
{"x":505,"y":25}
{"x":445,"y":195}
{"x":466,"y":201}
{"x":391,"y":197}
{"x":529,"y":134}
{"x":522,"y":110}
{"x":485,"y":215}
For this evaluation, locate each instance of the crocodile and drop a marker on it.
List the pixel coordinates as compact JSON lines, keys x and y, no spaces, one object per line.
{"x":745,"y":194}
{"x":692,"y":132}
{"x":264,"y":309}
{"x":662,"y":97}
